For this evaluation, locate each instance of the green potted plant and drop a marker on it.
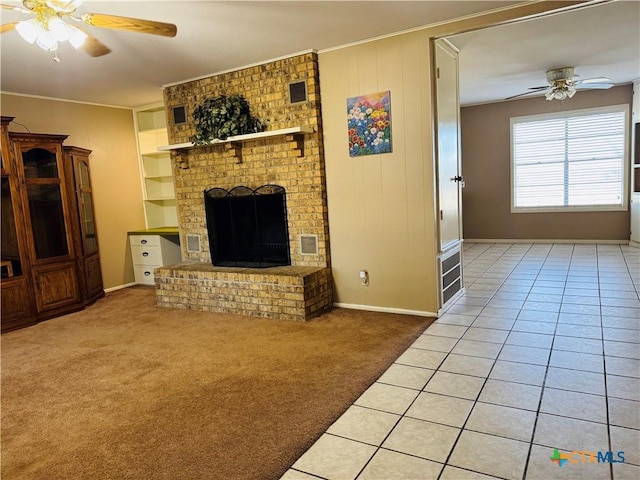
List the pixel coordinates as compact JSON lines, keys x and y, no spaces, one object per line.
{"x":222,"y":117}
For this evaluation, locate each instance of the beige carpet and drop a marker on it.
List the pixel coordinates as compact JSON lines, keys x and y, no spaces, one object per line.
{"x":128,"y":390}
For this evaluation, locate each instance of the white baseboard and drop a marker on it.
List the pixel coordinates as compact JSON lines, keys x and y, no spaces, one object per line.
{"x":119,"y":287}
{"x":634,"y":244}
{"x":544,"y":240}
{"x":373,"y":308}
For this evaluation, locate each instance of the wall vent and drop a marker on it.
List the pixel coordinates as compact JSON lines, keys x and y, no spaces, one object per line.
{"x":309,"y":244}
{"x":179,"y":115}
{"x":298,"y":91}
{"x":193,"y":243}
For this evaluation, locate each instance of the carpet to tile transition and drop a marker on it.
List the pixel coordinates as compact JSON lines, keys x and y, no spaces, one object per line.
{"x":128,"y":390}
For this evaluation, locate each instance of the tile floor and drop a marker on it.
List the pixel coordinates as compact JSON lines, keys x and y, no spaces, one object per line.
{"x":541,"y":353}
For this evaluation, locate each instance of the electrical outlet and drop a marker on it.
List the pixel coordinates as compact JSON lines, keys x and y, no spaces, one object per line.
{"x":364,"y":277}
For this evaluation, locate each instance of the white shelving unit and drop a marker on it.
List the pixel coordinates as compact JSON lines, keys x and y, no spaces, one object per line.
{"x":155,"y":167}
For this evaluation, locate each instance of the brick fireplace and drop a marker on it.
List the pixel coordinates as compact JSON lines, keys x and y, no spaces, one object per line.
{"x":293,"y":161}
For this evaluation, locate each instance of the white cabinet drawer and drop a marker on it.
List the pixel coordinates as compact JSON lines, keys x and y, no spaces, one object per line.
{"x":143,"y":274}
{"x":149,"y":252}
{"x":144,"y":240}
{"x":146,"y":255}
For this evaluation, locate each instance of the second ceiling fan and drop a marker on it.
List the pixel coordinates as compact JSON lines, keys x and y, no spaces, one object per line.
{"x":563,"y":84}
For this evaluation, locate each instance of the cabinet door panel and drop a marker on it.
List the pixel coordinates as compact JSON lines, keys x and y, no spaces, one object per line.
{"x":56,"y":286}
{"x":16,"y":303}
{"x":93,"y":275}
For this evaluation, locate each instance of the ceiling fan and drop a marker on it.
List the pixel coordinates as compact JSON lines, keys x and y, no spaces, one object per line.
{"x":563,"y":84}
{"x":48,"y":27}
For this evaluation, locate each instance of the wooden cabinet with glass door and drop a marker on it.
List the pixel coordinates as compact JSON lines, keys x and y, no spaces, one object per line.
{"x":16,"y":291}
{"x":84,"y":223}
{"x":48,"y":222}
{"x":50,"y":258}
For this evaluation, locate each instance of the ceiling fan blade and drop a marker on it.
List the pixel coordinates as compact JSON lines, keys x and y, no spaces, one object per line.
{"x":593,"y":86}
{"x":525,"y":93}
{"x":544,"y":87}
{"x":132,"y":24}
{"x":594,"y":80}
{"x":14,"y":8}
{"x":94,"y":47}
{"x":7,"y":27}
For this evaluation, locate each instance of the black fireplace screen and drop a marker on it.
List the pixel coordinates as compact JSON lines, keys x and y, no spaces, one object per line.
{"x":248,"y":228}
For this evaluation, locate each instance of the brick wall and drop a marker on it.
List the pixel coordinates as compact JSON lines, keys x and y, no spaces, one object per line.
{"x":273,"y":160}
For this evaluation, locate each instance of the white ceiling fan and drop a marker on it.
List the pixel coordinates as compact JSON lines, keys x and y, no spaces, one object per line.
{"x":48,"y":25}
{"x":563,"y":84}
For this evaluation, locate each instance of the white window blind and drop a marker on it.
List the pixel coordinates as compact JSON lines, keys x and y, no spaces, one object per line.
{"x":574,"y":160}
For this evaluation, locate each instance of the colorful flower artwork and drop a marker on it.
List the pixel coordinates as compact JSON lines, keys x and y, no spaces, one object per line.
{"x":369,"y":122}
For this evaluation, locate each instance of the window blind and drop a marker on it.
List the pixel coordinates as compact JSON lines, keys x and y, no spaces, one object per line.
{"x":573,"y":160}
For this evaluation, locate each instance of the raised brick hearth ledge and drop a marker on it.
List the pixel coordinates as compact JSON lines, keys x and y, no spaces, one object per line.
{"x":290,"y":292}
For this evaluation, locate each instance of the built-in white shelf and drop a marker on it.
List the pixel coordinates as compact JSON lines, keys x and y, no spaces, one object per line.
{"x":238,"y":138}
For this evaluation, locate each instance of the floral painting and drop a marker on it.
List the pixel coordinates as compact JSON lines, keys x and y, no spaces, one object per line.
{"x":369,"y":121}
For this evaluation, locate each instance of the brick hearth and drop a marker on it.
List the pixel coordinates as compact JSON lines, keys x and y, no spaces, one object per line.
{"x":291,"y":293}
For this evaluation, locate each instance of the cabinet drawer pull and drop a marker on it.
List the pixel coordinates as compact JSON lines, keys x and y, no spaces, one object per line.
{"x":146,"y":274}
{"x":145,"y":254}
{"x":144,"y":242}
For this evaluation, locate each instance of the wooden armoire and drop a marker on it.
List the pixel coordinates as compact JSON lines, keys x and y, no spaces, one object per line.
{"x":49,"y":253}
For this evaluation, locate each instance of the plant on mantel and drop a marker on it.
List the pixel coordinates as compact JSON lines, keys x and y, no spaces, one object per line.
{"x":222,"y":117}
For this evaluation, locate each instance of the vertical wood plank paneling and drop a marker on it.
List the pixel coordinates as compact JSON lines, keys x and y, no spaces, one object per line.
{"x":381,"y":206}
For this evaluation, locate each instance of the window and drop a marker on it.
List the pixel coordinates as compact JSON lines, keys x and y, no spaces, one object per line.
{"x":574,"y":160}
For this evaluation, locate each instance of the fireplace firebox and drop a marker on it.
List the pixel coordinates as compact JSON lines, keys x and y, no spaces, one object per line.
{"x":247,"y":227}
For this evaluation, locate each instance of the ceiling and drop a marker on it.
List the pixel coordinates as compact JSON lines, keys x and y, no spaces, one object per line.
{"x":599,"y":41}
{"x":213,"y":36}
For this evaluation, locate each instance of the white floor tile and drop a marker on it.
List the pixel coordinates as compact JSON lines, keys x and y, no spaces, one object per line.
{"x":518,"y":372}
{"x":421,"y":358}
{"x":584,"y":382}
{"x":386,"y":465}
{"x":569,"y":433}
{"x":406,"y":376}
{"x":387,"y":398}
{"x":455,"y":385}
{"x":582,"y":406}
{"x":440,"y":409}
{"x":510,"y":394}
{"x":364,"y":425}
{"x":628,"y":441}
{"x":478,"y":367}
{"x":427,"y":440}
{"x":477,"y":451}
{"x":335,"y":458}
{"x":502,"y":421}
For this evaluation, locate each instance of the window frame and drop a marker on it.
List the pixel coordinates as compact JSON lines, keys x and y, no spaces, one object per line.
{"x":620,"y":108}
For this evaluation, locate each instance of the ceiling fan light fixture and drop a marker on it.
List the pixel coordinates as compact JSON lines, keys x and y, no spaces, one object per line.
{"x":47,"y":41}
{"x":58,"y":29}
{"x":64,"y":7}
{"x":29,"y":30}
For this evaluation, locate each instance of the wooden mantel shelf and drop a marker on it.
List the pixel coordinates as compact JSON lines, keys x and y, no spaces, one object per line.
{"x":295,"y":134}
